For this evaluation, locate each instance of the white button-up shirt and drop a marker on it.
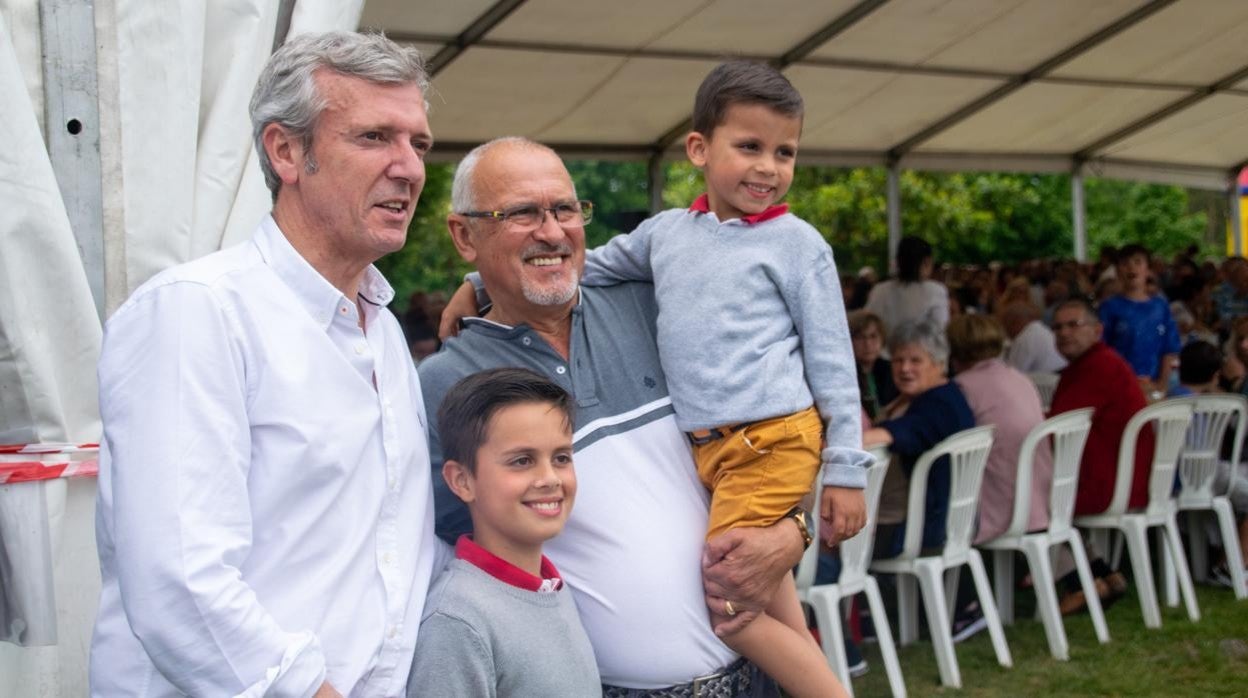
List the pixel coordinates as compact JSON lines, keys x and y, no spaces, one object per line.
{"x":264,"y":513}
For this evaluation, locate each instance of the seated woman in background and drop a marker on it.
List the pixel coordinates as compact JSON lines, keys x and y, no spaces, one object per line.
{"x":927,"y":410}
{"x":875,"y":373}
{"x":1001,"y":396}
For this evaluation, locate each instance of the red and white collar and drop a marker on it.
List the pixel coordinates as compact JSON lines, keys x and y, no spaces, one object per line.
{"x":467,"y":550}
{"x":702,"y":204}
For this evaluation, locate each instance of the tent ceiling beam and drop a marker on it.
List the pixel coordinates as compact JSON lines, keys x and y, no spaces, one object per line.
{"x":472,"y":34}
{"x":1174,"y":107}
{"x":974,"y":107}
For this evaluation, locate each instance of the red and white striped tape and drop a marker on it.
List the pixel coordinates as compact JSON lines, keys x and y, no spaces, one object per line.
{"x":32,"y":462}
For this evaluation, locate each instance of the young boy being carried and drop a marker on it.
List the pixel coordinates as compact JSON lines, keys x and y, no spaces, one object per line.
{"x":754,"y":343}
{"x":499,"y":621}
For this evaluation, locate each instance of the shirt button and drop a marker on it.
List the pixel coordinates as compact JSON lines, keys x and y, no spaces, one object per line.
{"x":561,"y":370}
{"x":527,"y":341}
{"x":394,"y":631}
{"x":387,"y":558}
{"x":359,"y":349}
{"x":394,"y":484}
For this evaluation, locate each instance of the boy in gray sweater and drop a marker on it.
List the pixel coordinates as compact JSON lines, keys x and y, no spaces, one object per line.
{"x":499,"y":621}
{"x":754,"y":343}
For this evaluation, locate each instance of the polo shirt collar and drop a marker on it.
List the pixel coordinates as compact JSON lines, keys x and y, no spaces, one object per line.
{"x":702,"y":204}
{"x":320,"y":298}
{"x":467,"y":550}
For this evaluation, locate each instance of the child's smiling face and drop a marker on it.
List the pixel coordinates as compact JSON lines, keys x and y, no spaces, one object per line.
{"x":747,"y":159}
{"x":524,"y":484}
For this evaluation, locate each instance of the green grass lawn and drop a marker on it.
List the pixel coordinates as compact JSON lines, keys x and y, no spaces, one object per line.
{"x":1182,"y":658}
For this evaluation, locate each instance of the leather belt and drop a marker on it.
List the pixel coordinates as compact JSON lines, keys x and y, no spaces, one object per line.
{"x":731,"y":682}
{"x":705,"y":436}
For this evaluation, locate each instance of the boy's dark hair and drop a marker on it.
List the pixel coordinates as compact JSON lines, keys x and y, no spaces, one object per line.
{"x":743,"y":82}
{"x":1198,"y":362}
{"x":468,"y":407}
{"x":1128,"y":251}
{"x":911,"y":251}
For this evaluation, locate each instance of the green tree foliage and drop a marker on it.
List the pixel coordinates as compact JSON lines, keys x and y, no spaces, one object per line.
{"x":970,"y":218}
{"x":428,"y":262}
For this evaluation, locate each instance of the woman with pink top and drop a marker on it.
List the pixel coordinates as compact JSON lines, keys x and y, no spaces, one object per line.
{"x":1005,"y":398}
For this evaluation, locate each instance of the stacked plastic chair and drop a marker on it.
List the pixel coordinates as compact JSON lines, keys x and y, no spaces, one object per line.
{"x":1069,"y":433}
{"x":968,"y":456}
{"x":1170,"y":419}
{"x":1046,"y":385}
{"x":1198,"y":462}
{"x":825,"y":599}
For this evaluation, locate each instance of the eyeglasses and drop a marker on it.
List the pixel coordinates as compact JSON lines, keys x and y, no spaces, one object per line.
{"x":1070,"y":325}
{"x":529,"y":217}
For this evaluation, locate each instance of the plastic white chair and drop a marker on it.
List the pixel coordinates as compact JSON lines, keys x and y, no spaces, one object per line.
{"x":1046,"y":385}
{"x":1198,"y":462}
{"x":1170,"y":419}
{"x":968,"y":456}
{"x":825,"y":599}
{"x":1069,"y":432}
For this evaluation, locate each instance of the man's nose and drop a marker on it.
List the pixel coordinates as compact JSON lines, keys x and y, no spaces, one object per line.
{"x":549,"y":229}
{"x":407,"y":163}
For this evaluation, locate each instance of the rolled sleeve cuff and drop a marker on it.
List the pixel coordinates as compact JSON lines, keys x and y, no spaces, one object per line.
{"x":845,"y":467}
{"x":299,"y":675}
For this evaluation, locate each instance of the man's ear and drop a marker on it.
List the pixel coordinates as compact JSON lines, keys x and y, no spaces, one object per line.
{"x":285,"y":152}
{"x":695,"y":149}
{"x":461,"y":235}
{"x":461,"y":482}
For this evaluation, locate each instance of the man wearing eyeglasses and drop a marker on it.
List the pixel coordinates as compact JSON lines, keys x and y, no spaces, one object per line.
{"x":1098,"y":377}
{"x":630,"y":551}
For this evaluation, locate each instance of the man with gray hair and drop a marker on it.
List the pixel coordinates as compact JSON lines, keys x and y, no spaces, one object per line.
{"x":264,"y":512}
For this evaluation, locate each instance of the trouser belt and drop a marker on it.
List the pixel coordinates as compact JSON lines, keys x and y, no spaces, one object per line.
{"x":730,"y":682}
{"x":705,"y":436}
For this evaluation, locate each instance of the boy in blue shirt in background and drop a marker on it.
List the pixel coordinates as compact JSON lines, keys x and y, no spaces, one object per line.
{"x":1139,"y":325}
{"x":753,"y":340}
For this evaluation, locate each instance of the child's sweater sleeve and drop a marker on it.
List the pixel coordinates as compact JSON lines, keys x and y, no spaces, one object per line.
{"x":818,"y":313}
{"x":623,"y":258}
{"x":451,"y":660}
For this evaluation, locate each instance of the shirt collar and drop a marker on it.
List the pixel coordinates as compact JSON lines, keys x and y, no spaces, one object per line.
{"x":467,"y":550}
{"x":319,"y":297}
{"x":702,"y":204}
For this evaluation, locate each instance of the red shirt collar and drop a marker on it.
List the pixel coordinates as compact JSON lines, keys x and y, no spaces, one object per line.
{"x":467,"y":550}
{"x":702,"y":204}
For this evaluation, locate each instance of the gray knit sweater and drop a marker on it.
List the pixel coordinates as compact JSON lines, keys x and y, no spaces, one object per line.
{"x":751,"y":324}
{"x":483,"y":637}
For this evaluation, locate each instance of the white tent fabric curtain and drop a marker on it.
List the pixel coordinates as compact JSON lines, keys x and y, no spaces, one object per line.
{"x":180,"y":181}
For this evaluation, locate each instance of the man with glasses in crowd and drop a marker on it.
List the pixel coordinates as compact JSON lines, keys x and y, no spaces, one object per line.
{"x":1098,"y":377}
{"x":631,"y":549}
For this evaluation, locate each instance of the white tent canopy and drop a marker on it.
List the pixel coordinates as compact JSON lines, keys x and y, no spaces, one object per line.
{"x":127,"y":147}
{"x":1124,"y":88}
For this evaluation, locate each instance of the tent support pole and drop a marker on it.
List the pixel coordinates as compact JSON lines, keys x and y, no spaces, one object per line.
{"x":72,"y":118}
{"x":1078,"y":215}
{"x":1233,"y":217}
{"x":655,"y":179}
{"x":894,"y":213}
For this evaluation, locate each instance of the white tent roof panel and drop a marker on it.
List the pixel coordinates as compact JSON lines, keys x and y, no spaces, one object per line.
{"x":871,"y":110}
{"x":999,"y":35}
{"x":1205,"y":134}
{"x":975,"y":84}
{"x":1195,"y":42}
{"x":1048,"y":118}
{"x":428,"y":18}
{"x":491,"y":92}
{"x":631,"y":105}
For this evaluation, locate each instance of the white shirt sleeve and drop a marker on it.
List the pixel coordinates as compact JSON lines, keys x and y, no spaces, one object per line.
{"x":174,"y":401}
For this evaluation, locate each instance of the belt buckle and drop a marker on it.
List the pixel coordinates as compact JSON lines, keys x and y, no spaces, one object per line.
{"x":705,"y":683}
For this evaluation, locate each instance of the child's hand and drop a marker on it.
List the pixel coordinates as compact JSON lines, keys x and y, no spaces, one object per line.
{"x":843,"y":513}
